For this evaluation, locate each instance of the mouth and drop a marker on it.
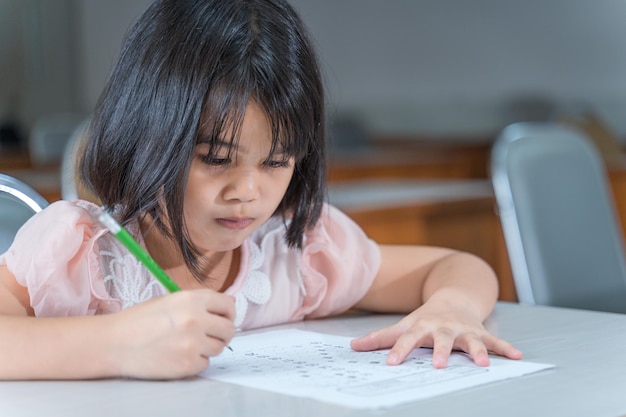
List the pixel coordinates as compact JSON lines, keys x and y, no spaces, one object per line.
{"x":235,"y":223}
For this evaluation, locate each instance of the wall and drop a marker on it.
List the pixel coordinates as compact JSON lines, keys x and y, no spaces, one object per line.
{"x":37,"y":65}
{"x":456,"y":66}
{"x":425,"y":67}
{"x":103,"y":25}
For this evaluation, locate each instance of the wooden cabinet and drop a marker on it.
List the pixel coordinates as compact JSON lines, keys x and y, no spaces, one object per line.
{"x":461,"y":215}
{"x":404,"y":159}
{"x":468,"y":223}
{"x":455,"y":214}
{"x":617,"y":179}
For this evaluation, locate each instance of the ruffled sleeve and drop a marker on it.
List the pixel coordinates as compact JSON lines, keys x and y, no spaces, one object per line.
{"x":55,"y":256}
{"x":339,"y":264}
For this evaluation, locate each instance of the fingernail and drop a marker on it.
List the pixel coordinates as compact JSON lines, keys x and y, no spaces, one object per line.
{"x":393,"y":358}
{"x":439,"y":361}
{"x":482,"y":360}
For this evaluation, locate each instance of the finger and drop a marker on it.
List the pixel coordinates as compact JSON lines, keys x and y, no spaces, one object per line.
{"x":475,"y":347}
{"x":230,"y":307}
{"x":501,"y":347}
{"x":380,"y":339}
{"x":212,"y":346}
{"x":220,"y":304}
{"x":219,"y":327}
{"x":405,"y":345}
{"x":443,"y":342}
{"x":218,"y":332}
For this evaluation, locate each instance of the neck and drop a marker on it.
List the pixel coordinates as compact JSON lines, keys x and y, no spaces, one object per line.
{"x":219,"y":269}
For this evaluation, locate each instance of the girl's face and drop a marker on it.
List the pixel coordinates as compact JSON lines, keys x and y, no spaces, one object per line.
{"x":228,"y":197}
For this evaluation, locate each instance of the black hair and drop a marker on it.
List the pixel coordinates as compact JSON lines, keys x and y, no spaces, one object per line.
{"x":190,"y":62}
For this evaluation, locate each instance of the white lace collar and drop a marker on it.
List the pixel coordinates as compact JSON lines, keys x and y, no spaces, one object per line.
{"x":127,"y":280}
{"x":256,"y":287}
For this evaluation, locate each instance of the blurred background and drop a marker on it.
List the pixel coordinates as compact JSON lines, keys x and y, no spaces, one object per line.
{"x":436,"y":68}
{"x":417,"y":92}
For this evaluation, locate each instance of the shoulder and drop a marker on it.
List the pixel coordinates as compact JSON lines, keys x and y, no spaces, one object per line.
{"x":55,"y":251}
{"x":55,"y":232}
{"x":332,"y":271}
{"x":332,"y":226}
{"x":57,"y":222}
{"x":338,"y":227}
{"x":340,"y":263}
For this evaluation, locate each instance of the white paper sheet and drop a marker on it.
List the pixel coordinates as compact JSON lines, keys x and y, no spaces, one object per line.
{"x":324,"y":367}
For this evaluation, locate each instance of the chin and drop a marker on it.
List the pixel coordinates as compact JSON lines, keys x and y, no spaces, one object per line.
{"x":223,"y":245}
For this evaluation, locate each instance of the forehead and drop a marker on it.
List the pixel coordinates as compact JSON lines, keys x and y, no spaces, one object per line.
{"x":244,"y":132}
{"x":234,"y":123}
{"x":230,"y":117}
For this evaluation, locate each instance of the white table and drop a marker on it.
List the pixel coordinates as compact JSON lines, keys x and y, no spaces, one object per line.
{"x":589,"y":378}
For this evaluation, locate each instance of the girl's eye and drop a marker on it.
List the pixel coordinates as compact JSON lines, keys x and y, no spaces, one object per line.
{"x":278,"y":164}
{"x":215,"y":161}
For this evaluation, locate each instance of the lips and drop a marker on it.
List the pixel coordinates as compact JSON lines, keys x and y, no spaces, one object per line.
{"x":235,"y":223}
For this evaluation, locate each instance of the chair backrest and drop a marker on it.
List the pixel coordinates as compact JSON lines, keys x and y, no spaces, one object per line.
{"x":18,"y":202}
{"x":69,"y":163}
{"x":49,"y":137}
{"x":72,"y":185}
{"x":560,"y":226}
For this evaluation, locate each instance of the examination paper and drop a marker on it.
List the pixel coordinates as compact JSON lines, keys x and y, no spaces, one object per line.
{"x":324,"y":367}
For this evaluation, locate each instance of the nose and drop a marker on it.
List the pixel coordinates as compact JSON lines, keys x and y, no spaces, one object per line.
{"x":243,"y":185}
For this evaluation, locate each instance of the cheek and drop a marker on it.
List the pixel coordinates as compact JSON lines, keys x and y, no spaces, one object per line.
{"x":274,"y":188}
{"x":284,"y":181}
{"x":198,"y":195}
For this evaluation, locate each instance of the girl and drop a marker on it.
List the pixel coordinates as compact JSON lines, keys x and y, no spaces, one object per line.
{"x":208,"y":143}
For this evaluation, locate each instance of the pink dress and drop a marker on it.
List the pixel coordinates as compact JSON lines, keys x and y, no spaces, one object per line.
{"x":73,"y":266}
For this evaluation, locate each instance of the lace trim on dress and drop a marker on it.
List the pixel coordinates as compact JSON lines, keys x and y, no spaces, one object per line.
{"x":127,"y":280}
{"x":257,"y":287}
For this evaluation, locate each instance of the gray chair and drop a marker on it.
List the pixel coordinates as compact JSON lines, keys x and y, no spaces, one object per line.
{"x":560,"y":225}
{"x":18,"y":202}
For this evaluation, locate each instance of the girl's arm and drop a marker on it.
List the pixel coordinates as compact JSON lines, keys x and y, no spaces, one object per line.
{"x":167,"y":337}
{"x":447,"y":295}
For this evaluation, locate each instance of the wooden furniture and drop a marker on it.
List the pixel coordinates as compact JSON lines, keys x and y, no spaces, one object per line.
{"x":587,"y":380}
{"x":407,"y":158}
{"x":467,"y":223}
{"x":45,"y":180}
{"x":14,"y":159}
{"x":458,"y":214}
{"x":461,"y":215}
{"x":617,"y":179}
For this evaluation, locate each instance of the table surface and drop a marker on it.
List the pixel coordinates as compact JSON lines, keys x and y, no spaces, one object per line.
{"x":376,"y":194}
{"x":589,"y":378}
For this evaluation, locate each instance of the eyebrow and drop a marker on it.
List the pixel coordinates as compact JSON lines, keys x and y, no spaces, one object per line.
{"x":219,"y":142}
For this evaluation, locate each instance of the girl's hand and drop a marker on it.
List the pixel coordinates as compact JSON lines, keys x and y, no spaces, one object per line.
{"x":172,"y":336}
{"x":443,"y":331}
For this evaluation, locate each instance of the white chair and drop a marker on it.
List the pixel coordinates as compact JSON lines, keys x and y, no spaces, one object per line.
{"x":69,"y":162}
{"x":18,"y":202}
{"x":560,"y":225}
{"x":49,"y":137}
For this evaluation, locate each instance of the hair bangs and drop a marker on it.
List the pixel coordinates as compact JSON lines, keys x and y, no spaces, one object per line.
{"x":224,"y":111}
{"x":222,"y":118}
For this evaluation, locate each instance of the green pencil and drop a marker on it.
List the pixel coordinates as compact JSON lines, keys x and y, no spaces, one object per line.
{"x":142,"y":256}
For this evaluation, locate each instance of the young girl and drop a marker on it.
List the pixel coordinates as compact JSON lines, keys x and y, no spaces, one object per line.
{"x":208,"y":144}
